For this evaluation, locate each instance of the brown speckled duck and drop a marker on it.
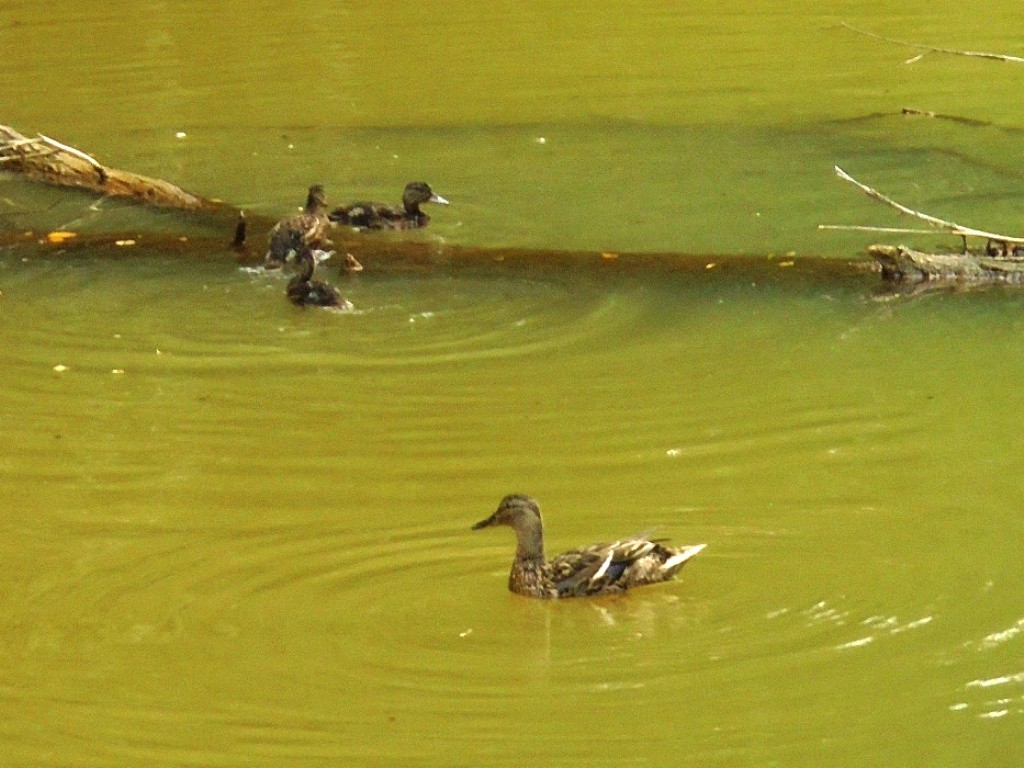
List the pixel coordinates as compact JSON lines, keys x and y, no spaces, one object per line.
{"x":599,"y":569}
{"x":304,"y":291}
{"x":383,"y":216}
{"x":306,"y":230}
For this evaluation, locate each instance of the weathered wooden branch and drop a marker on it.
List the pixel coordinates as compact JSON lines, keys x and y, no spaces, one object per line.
{"x":926,"y":49}
{"x":48,"y":160}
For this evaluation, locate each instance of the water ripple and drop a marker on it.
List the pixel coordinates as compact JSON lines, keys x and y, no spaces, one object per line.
{"x":127,"y":316}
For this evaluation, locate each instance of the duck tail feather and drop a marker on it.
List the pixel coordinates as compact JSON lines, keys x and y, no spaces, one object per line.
{"x":675,"y":562}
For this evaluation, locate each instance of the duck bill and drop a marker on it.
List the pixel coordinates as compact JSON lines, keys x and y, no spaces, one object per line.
{"x":437,"y":199}
{"x":485,"y":523}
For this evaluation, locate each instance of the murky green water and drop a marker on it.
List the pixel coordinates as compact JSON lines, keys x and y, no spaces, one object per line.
{"x":236,"y":533}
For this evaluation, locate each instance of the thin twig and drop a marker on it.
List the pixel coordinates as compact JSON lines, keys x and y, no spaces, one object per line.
{"x":888,"y":230}
{"x":932,"y":48}
{"x":948,"y":226}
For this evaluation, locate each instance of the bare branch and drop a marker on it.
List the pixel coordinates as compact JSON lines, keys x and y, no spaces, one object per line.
{"x":925,"y":49}
{"x":949,"y":226}
{"x":887,"y":230}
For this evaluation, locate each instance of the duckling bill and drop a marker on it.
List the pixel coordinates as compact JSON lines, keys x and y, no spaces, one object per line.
{"x":383,"y":216}
{"x":599,"y":569}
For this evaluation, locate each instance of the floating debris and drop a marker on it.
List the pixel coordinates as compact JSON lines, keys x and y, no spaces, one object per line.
{"x":58,"y":237}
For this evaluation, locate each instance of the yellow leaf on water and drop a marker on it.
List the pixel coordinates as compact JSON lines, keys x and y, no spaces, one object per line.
{"x":60,"y":237}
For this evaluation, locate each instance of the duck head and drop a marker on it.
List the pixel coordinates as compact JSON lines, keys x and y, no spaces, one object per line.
{"x":316,"y":199}
{"x":522,"y":514}
{"x":514,"y":510}
{"x":418,"y":192}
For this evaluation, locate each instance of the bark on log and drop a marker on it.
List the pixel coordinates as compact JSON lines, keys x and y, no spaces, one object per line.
{"x":47,"y":160}
{"x":902,"y":264}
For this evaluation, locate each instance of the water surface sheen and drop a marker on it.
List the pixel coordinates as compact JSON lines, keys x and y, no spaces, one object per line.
{"x":236,"y":533}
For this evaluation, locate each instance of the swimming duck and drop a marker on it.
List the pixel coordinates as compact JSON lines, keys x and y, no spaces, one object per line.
{"x":301,"y":231}
{"x":383,"y":216}
{"x":599,"y":569}
{"x":305,"y":292}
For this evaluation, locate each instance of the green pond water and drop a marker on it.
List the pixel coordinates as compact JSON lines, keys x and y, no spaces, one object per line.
{"x":234,"y":533}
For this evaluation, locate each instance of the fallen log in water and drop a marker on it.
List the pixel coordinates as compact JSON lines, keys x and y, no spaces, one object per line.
{"x":406,"y":256}
{"x":46,"y":160}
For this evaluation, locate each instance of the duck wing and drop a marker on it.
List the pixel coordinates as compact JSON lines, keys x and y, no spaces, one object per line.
{"x":619,"y":565}
{"x":366,"y":215}
{"x":599,"y":568}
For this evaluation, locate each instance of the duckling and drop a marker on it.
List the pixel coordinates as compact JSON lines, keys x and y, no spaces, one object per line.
{"x":599,"y":569}
{"x":303,"y":291}
{"x":383,"y":216}
{"x":350,"y":264}
{"x":306,"y":230}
